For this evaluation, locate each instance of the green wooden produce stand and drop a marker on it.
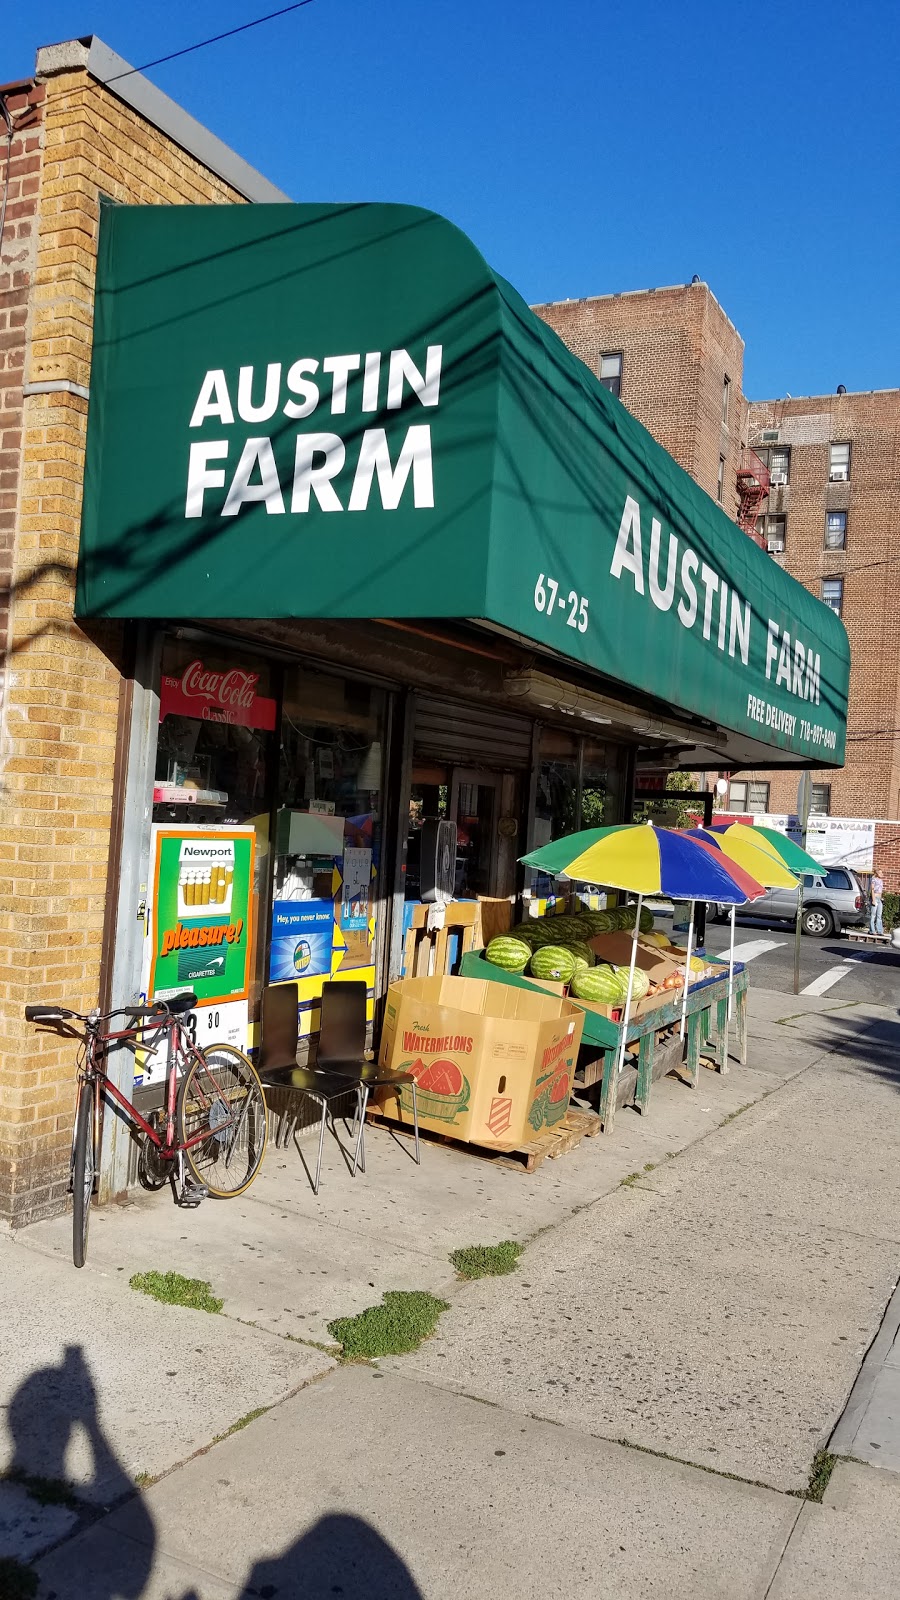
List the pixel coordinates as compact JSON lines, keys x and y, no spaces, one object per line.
{"x":707,"y":1024}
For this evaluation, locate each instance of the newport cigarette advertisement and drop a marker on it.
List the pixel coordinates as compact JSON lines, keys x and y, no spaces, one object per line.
{"x":200,"y":913}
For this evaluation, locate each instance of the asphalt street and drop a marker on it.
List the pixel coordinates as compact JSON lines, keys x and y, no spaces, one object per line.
{"x":835,"y":967}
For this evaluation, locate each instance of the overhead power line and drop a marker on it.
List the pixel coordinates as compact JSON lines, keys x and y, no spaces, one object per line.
{"x":214,"y":38}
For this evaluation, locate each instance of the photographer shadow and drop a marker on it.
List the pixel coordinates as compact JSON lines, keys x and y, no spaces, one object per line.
{"x":341,"y":1556}
{"x":45,"y":1416}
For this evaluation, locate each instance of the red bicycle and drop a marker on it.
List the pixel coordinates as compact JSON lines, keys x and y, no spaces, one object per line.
{"x":209,"y":1137}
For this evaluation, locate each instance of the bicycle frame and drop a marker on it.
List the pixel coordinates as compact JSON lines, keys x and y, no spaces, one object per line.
{"x":93,"y":1075}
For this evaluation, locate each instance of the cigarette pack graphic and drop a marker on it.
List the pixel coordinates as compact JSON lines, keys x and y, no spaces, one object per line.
{"x":205,"y":878}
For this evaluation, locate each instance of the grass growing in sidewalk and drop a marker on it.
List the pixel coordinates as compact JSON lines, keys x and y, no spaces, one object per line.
{"x":820,"y":1474}
{"x":174,"y":1290}
{"x":486,"y":1260}
{"x":17,"y":1582}
{"x":404,"y":1318}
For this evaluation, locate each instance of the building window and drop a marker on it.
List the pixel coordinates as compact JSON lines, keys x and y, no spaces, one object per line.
{"x":779,"y":467}
{"x":839,"y":463}
{"x":720,"y":481}
{"x":835,"y":530}
{"x":748,"y":797}
{"x":774,"y":531}
{"x":611,"y":372}
{"x":726,"y":390}
{"x":833,"y":593}
{"x":820,"y":799}
{"x":778,"y":462}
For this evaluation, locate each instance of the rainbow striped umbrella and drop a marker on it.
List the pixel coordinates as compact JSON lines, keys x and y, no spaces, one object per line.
{"x":738,"y":844}
{"x":645,"y":859}
{"x":775,"y":844}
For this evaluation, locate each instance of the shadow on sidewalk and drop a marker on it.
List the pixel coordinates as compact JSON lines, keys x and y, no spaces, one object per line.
{"x":45,"y":1416}
{"x":872,"y":1042}
{"x":340,"y":1556}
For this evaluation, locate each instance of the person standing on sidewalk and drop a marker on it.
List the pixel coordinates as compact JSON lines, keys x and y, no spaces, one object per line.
{"x":876,"y":902}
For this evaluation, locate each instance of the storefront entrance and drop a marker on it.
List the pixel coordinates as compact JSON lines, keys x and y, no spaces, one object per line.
{"x":475,"y":801}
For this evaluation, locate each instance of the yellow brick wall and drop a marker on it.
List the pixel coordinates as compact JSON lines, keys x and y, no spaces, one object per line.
{"x":62,"y":702}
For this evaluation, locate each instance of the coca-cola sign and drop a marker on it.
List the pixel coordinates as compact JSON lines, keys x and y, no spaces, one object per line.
{"x":216,"y":696}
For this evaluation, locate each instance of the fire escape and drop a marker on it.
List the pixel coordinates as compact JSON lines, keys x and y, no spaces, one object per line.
{"x":752,"y":490}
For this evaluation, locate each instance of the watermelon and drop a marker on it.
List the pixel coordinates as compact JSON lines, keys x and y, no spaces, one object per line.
{"x":513,"y":955}
{"x":640,"y":985}
{"x":646,"y":920}
{"x":584,"y":955}
{"x":553,"y":961}
{"x":598,"y":984}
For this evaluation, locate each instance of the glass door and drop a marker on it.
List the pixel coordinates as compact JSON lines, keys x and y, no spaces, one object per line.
{"x":474,"y":807}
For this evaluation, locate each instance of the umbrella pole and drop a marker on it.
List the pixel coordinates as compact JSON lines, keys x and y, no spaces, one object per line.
{"x":687,"y":969}
{"x":731,"y":964}
{"x":627,"y":1016}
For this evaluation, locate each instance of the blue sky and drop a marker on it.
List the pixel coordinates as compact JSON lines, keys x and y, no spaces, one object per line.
{"x":585,"y":146}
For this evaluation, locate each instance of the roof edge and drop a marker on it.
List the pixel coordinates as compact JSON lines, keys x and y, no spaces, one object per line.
{"x":91,"y":55}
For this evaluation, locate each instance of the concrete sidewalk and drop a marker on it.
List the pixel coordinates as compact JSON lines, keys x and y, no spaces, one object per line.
{"x":713,"y":1308}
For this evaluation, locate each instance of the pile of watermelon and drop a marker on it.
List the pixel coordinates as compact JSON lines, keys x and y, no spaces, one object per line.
{"x":558,"y":948}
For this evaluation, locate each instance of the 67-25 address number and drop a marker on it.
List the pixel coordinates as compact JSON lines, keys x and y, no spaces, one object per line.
{"x":548,"y":598}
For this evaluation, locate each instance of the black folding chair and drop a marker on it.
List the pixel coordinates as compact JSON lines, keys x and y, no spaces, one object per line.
{"x":342,"y":1045}
{"x":286,"y":1082}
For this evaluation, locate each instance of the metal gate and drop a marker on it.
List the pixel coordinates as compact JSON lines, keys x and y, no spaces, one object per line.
{"x":471,"y":735}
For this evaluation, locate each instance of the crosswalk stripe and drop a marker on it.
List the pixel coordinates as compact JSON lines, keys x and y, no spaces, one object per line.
{"x":827,"y":979}
{"x":753,"y":948}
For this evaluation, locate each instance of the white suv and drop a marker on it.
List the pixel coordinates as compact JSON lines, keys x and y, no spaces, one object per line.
{"x":832,"y":899}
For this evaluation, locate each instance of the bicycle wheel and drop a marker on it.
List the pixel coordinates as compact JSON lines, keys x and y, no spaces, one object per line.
{"x":82,"y":1172}
{"x":221,"y":1098}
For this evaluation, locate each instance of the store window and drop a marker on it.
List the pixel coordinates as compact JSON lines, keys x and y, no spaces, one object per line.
{"x":556,"y":799}
{"x":326,"y":891}
{"x":602,"y":784}
{"x":212,"y":797}
{"x":746,"y":796}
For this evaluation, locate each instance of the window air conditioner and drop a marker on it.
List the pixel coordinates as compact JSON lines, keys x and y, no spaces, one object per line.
{"x":778,"y":479}
{"x":839,"y":475}
{"x":776,"y":546}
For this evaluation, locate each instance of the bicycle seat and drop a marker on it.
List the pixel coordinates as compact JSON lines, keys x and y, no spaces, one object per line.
{"x":180,"y":1004}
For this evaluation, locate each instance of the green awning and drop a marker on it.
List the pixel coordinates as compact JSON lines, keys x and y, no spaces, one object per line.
{"x":340,"y":411}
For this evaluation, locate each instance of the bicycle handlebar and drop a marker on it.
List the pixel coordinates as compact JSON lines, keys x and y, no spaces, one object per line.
{"x":159,"y":1009}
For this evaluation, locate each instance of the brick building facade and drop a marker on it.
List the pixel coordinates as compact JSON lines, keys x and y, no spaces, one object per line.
{"x":836,"y":514}
{"x":680,"y":371}
{"x":73,"y":142}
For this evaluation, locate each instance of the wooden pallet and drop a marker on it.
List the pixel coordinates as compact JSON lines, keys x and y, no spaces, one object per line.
{"x":546,"y":1145}
{"x":863,"y":936}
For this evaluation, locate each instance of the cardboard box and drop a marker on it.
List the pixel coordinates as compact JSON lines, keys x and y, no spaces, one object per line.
{"x":657,"y":963}
{"x":493,"y":1064}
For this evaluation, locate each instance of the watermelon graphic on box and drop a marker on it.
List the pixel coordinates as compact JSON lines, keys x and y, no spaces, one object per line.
{"x":442,"y":1090}
{"x":551,"y":1102}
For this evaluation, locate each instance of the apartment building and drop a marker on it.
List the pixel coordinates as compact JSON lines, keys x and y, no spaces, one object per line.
{"x":833,"y":521}
{"x":831,"y":517}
